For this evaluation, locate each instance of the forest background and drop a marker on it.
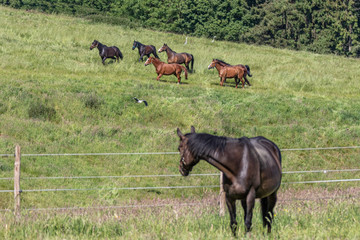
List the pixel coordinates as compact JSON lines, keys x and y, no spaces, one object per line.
{"x":320,"y":26}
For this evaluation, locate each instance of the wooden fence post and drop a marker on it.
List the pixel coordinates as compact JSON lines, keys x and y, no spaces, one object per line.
{"x":222,"y":195}
{"x":17,"y":189}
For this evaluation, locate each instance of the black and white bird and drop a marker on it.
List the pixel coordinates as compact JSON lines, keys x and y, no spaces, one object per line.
{"x":213,"y":39}
{"x":140,"y":101}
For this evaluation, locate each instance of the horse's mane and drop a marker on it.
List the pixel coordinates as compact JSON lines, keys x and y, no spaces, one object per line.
{"x":223,"y":62}
{"x":170,"y":48}
{"x":203,"y":144}
{"x":139,"y":43}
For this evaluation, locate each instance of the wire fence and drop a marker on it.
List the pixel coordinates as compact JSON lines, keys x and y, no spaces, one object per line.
{"x":159,"y":176}
{"x":159,"y":153}
{"x":175,"y":175}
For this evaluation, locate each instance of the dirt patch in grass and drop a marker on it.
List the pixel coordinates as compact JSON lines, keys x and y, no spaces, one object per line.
{"x":314,"y":199}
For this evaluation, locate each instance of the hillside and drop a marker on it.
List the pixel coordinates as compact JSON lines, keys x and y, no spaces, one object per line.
{"x":57,"y":97}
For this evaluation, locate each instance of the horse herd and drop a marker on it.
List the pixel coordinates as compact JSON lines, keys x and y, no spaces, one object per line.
{"x":238,"y":72}
{"x":251,"y":166}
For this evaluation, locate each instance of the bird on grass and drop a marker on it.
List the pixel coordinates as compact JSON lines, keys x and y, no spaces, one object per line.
{"x":213,"y":39}
{"x":140,"y":101}
{"x":185,"y":41}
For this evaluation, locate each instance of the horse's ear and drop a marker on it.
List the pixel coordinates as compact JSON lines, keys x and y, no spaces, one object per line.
{"x":180,"y":134}
{"x":192,"y":129}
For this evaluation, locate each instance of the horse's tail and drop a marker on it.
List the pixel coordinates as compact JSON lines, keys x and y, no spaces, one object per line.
{"x":120,"y":55}
{"x":248,"y":70}
{"x":117,"y":51}
{"x":192,"y":63}
{"x":185,"y":70}
{"x":154,"y":52}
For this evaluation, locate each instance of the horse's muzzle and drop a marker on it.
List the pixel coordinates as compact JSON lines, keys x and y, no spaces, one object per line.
{"x":184,"y":169}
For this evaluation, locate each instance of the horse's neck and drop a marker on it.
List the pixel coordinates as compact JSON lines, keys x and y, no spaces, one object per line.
{"x":216,"y":159}
{"x":156,"y":63}
{"x":218,"y":67}
{"x":170,"y":52}
{"x":100,"y":47}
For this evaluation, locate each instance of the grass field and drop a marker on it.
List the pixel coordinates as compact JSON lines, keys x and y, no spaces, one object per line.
{"x":57,"y":97}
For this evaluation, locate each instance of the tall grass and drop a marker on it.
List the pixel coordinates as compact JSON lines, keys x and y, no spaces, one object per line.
{"x":57,"y":97}
{"x":336,"y":219}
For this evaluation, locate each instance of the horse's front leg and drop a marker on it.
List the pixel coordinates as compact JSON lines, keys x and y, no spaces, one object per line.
{"x":222,"y":80}
{"x":103,"y":60}
{"x":232,"y":211}
{"x":141,"y":57}
{"x":250,"y":202}
{"x":159,"y":76}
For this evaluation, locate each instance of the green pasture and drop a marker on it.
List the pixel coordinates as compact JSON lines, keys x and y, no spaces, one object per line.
{"x":333,"y":219}
{"x":57,"y":97}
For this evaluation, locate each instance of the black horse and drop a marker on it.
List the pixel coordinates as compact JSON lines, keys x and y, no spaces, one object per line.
{"x":107,"y":52}
{"x":251,"y":167}
{"x":144,"y":50}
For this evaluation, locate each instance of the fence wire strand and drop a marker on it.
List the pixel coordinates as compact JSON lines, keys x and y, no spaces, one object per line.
{"x":175,"y":175}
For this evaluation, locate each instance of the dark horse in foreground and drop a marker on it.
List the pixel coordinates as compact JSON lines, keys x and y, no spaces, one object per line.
{"x":251,"y":167}
{"x":144,"y":50}
{"x":107,"y":52}
{"x":166,"y":69}
{"x":174,"y":57}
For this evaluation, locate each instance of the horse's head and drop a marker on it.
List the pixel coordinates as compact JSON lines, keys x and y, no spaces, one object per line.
{"x":212,"y":64}
{"x":149,"y":61}
{"x":94,"y":44}
{"x":163,"y":48}
{"x":134,"y":45}
{"x":187,"y":159}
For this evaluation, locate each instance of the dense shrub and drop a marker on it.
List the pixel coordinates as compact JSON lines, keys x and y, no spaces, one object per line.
{"x":315,"y":25}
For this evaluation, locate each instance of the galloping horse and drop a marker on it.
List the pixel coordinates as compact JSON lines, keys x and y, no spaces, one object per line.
{"x":179,"y":58}
{"x":228,"y":71}
{"x":166,"y":69}
{"x":144,"y":50}
{"x":107,"y":52}
{"x":246,"y":69}
{"x":251,"y":167}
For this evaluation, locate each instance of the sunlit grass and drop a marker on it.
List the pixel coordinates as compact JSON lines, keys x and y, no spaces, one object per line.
{"x":57,"y":97}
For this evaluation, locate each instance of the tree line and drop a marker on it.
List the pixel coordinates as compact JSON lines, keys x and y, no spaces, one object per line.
{"x":321,"y":26}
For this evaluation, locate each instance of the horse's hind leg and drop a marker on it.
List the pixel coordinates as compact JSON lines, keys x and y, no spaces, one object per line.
{"x":177,"y":74}
{"x":247,"y":81}
{"x":232,"y":211}
{"x":265,"y":211}
{"x":270,"y":211}
{"x":250,"y":203}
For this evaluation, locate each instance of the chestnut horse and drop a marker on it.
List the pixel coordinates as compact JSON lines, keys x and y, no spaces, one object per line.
{"x":246,"y":69}
{"x":144,"y":50}
{"x":166,"y":69}
{"x":251,"y":167}
{"x":179,"y":58}
{"x":228,"y":71}
{"x":107,"y":52}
